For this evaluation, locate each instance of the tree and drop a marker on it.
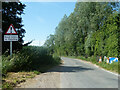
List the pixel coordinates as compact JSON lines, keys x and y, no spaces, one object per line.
{"x":60,"y":32}
{"x":11,"y":12}
{"x":50,"y":43}
{"x":88,"y":30}
{"x":111,"y":28}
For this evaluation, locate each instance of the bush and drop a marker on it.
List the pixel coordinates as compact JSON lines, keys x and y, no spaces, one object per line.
{"x":56,"y":59}
{"x":16,"y":63}
{"x":29,"y":58}
{"x":93,"y":59}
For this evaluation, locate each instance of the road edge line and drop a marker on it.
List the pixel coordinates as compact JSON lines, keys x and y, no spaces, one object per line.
{"x":99,"y":67}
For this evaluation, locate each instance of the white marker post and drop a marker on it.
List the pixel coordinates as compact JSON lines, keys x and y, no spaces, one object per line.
{"x":11,"y":30}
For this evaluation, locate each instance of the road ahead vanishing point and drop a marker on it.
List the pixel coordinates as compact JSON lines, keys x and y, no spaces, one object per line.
{"x":74,"y":73}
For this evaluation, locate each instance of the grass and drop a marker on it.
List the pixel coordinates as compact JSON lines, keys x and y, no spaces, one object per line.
{"x":27,"y":63}
{"x":114,"y":67}
{"x":14,"y":78}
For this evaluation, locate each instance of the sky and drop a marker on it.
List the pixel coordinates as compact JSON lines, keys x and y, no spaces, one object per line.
{"x":41,"y":19}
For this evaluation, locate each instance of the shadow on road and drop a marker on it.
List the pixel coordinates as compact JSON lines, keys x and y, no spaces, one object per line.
{"x":69,"y":69}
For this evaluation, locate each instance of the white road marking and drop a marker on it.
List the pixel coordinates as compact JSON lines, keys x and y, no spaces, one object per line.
{"x":109,"y":72}
{"x":98,"y":67}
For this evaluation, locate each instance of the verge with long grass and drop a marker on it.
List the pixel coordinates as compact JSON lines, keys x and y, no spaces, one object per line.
{"x":30,"y":59}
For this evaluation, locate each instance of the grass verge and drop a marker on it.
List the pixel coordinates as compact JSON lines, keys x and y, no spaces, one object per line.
{"x":27,"y":63}
{"x":14,"y":78}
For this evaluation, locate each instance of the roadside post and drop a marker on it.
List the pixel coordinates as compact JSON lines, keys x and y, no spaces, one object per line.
{"x":107,"y":60}
{"x":11,"y":35}
{"x":100,"y":59}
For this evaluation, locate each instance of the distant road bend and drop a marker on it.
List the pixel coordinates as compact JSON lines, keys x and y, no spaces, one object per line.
{"x":74,"y":73}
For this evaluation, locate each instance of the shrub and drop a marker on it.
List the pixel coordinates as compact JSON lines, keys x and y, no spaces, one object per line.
{"x":29,"y":58}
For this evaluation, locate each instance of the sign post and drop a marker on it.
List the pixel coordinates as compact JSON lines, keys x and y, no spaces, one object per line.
{"x":11,"y":43}
{"x":11,"y":48}
{"x":10,"y":37}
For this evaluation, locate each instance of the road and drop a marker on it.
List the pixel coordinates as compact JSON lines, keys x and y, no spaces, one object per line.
{"x":74,"y":73}
{"x":78,"y":74}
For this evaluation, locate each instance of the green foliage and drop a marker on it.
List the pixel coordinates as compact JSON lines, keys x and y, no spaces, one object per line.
{"x":89,"y":32}
{"x":29,"y":58}
{"x":92,"y":29}
{"x":56,"y":59}
{"x":7,"y":86}
{"x":107,"y":37}
{"x":111,"y":67}
{"x":11,"y":12}
{"x":16,"y":63}
{"x":36,"y":72}
{"x":50,"y":43}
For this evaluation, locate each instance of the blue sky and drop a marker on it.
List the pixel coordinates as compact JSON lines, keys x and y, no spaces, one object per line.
{"x":41,"y":18}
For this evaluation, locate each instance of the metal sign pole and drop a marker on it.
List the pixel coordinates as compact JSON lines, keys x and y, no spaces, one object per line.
{"x":11,"y":37}
{"x":11,"y":43}
{"x":11,"y":48}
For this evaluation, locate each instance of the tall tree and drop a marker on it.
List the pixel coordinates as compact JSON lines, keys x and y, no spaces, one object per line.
{"x":11,"y":14}
{"x":50,"y":43}
{"x":88,"y":30}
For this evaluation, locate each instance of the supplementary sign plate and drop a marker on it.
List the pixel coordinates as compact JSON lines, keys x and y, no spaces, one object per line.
{"x":10,"y":37}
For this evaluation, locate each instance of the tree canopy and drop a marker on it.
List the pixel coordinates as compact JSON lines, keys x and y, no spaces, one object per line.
{"x":92,"y":29}
{"x":11,"y":14}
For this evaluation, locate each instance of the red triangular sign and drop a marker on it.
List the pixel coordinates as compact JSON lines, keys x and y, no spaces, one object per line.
{"x":11,"y":30}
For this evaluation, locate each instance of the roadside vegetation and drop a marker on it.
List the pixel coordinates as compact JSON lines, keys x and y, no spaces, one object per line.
{"x":26,"y":63}
{"x":89,"y":32}
{"x":114,"y":67}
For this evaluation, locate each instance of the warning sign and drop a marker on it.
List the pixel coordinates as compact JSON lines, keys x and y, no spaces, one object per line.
{"x":11,"y":30}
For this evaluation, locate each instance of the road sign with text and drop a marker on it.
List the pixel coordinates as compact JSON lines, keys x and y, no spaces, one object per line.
{"x":10,"y":37}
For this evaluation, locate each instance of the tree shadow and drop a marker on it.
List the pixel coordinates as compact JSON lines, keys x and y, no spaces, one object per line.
{"x":69,"y":69}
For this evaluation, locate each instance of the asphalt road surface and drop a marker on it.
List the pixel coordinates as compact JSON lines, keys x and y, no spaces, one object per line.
{"x":73,"y":73}
{"x":79,"y":74}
